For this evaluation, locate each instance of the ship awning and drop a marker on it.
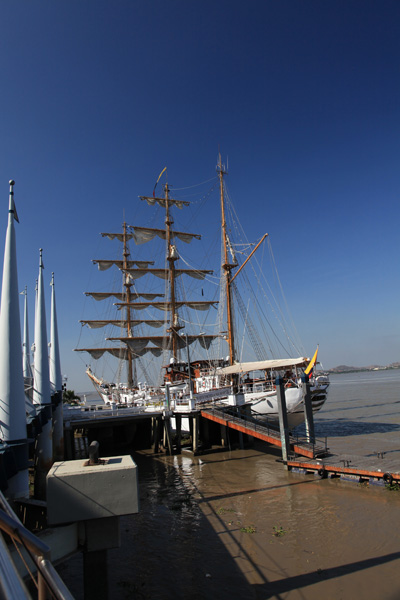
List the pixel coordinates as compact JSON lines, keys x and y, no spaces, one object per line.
{"x":261,"y":365}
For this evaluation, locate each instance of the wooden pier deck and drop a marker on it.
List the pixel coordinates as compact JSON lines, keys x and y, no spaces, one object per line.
{"x":264,"y":432}
{"x":315,"y":458}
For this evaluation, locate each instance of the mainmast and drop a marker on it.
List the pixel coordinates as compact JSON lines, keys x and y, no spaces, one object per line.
{"x":127,"y":284}
{"x":172,"y":256}
{"x":226,"y":266}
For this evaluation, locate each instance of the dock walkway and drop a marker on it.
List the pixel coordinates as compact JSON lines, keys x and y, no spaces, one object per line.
{"x":265,"y":432}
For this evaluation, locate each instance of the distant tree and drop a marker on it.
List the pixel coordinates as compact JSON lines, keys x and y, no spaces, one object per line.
{"x":70,"y":396}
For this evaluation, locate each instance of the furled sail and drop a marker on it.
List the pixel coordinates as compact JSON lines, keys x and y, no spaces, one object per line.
{"x":166,"y":306}
{"x":138,"y":344}
{"x":122,"y":323}
{"x":151,"y":201}
{"x":164,"y":273}
{"x":121,"y":296}
{"x":141,"y":235}
{"x":119,"y":236}
{"x":107,"y":264}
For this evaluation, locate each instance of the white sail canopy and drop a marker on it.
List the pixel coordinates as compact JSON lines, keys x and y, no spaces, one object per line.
{"x":141,"y":235}
{"x":261,"y":365}
{"x":151,"y":201}
{"x":103,"y":265}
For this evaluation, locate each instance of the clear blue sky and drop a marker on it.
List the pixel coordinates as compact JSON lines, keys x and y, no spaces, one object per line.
{"x":302,"y":96}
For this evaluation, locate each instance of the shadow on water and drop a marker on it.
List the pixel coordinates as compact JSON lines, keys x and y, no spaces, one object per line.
{"x":357,"y":404}
{"x":344,"y":427}
{"x":181,"y":546}
{"x":257,"y":490}
{"x":272,"y":589}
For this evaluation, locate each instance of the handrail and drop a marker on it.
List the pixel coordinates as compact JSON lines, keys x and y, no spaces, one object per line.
{"x":47,"y":578}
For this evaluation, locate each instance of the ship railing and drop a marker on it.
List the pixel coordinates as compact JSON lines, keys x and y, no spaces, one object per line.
{"x":254,"y":386}
{"x":46,"y":580}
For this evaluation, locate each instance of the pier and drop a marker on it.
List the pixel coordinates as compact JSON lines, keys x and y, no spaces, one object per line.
{"x":304,"y":456}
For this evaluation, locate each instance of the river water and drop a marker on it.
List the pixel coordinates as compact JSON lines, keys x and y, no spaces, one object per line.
{"x":237,"y":525}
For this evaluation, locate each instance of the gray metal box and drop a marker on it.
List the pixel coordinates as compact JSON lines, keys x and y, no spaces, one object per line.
{"x":76,"y":492}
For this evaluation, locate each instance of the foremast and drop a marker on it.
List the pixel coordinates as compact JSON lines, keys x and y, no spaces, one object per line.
{"x":131,"y":300}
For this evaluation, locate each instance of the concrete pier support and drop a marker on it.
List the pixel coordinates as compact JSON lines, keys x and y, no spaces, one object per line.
{"x":204,"y":425}
{"x":224,"y":436}
{"x":178,"y":432}
{"x":308,"y":413}
{"x":283,"y":420}
{"x":195,"y":438}
{"x":157,"y":432}
{"x":167,"y":433}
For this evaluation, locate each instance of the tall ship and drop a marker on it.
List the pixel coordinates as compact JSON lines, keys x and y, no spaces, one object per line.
{"x":163,"y":341}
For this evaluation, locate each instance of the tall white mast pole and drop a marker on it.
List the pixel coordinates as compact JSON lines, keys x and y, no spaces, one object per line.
{"x":12,"y":405}
{"x":41,"y":392}
{"x":26,"y":363}
{"x":56,"y":380}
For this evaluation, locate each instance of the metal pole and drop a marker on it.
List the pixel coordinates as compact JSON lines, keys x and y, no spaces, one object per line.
{"x":308,"y":413}
{"x":189,"y":369}
{"x":283,"y":420}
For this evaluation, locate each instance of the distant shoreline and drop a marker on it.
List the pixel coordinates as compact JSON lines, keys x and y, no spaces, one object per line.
{"x":342,"y":370}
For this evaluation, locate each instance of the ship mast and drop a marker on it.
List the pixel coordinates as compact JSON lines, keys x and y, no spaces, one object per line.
{"x":226,"y":266}
{"x":172,"y":256}
{"x":131,"y":300}
{"x":127,"y":284}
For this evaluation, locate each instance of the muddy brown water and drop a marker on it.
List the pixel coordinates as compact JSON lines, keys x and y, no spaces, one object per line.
{"x":237,"y":525}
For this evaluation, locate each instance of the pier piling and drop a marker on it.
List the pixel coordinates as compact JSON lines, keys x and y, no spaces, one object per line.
{"x":283,"y":420}
{"x":308,"y":413}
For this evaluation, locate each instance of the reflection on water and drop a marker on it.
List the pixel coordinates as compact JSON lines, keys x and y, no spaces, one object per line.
{"x":237,"y":525}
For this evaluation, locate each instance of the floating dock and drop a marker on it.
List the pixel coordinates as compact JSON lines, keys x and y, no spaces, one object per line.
{"x":358,"y":469}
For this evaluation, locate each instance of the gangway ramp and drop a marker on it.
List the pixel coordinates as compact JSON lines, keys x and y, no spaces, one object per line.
{"x":263,"y":431}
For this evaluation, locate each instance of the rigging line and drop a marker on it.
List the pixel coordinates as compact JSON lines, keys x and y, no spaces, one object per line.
{"x":199,"y":204}
{"x":282,"y":320}
{"x":197,"y":324}
{"x":195,"y":185}
{"x":195,"y":269}
{"x":258,"y":308}
{"x":284,"y":297}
